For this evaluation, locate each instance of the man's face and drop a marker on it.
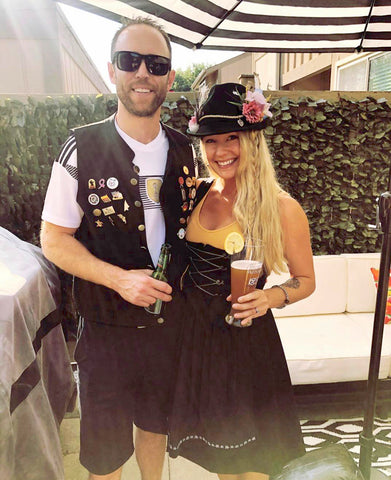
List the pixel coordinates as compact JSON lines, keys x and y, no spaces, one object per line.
{"x":140,"y":92}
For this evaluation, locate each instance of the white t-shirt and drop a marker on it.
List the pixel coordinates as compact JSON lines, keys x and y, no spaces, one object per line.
{"x":61,"y":207}
{"x":151,"y":159}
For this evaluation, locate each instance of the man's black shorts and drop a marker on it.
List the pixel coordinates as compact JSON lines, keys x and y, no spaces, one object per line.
{"x":126,"y":376}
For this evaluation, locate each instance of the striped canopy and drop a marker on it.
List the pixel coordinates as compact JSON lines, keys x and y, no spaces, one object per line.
{"x":261,"y":25}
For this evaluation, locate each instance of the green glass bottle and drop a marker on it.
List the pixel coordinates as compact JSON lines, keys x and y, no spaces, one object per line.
{"x":160,"y":273}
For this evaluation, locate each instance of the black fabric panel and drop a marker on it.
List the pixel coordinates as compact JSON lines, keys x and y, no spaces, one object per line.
{"x":321,"y":3}
{"x":47,"y":324}
{"x":289,"y":37}
{"x":281,"y":20}
{"x":31,"y":375}
{"x":24,"y":385}
{"x":207,"y":6}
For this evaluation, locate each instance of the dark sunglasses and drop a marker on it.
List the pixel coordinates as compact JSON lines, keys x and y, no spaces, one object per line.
{"x":131,"y":61}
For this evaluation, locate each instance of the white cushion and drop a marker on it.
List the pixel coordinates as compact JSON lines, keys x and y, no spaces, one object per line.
{"x":364,"y":323}
{"x":330,"y":292}
{"x":331,"y":348}
{"x":361,"y":294}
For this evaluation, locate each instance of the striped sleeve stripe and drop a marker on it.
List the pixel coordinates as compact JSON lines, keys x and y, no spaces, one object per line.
{"x":68,"y":148}
{"x":72,"y":171}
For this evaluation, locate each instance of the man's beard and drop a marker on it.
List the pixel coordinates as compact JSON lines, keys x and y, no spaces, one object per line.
{"x":142,"y":111}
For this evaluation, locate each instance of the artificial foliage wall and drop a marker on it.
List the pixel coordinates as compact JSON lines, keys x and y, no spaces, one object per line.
{"x":333,"y":156}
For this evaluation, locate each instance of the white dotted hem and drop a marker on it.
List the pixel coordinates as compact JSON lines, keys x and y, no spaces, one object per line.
{"x":210,"y":444}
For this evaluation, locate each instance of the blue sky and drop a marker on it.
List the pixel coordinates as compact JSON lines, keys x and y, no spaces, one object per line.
{"x":96,"y":32}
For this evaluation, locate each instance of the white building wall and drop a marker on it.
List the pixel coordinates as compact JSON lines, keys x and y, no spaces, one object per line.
{"x":33,"y":34}
{"x":266,"y":67}
{"x":231,"y":71}
{"x":79,"y":72}
{"x":75,"y":80}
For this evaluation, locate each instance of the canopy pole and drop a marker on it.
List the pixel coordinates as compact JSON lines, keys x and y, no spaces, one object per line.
{"x":359,"y":48}
{"x":228,"y":13}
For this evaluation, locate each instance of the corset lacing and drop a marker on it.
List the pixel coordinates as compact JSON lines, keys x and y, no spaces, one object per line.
{"x":208,"y":269}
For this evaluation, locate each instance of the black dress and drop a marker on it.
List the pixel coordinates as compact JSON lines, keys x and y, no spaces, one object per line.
{"x":233,"y":407}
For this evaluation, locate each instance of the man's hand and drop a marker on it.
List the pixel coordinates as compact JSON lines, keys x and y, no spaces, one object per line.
{"x":139,"y":288}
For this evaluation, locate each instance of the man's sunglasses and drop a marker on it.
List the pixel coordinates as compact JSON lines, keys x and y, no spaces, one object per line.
{"x":131,"y":61}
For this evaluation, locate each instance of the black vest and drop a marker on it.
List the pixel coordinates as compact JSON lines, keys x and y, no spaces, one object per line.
{"x":113,"y":226}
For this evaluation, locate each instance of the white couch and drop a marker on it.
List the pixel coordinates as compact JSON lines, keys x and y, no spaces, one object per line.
{"x":327,"y":337}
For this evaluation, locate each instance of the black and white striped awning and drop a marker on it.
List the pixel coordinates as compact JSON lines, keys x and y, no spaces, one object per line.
{"x":263,"y":26}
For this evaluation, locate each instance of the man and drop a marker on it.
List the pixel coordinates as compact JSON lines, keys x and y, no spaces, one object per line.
{"x":104,"y":220}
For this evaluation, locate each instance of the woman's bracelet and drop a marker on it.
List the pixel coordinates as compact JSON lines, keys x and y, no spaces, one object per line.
{"x":286,"y":301}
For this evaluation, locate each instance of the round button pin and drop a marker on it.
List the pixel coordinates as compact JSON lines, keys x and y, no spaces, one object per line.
{"x":160,"y":320}
{"x":181,"y":233}
{"x":189,"y":182}
{"x":137,"y":203}
{"x":97,"y":212}
{"x":112,"y":183}
{"x":186,"y":170}
{"x":93,"y":199}
{"x":133,"y":181}
{"x":141,"y":228}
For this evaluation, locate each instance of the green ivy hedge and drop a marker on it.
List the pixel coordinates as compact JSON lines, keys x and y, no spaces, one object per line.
{"x":333,"y":156}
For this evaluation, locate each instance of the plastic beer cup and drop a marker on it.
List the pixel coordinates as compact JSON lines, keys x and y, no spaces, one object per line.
{"x":245,"y":272}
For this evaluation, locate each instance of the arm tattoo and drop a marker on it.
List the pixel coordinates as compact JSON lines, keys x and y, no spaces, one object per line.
{"x":292,"y":283}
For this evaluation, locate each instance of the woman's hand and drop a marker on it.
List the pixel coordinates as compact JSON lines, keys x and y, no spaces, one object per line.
{"x":249,"y":306}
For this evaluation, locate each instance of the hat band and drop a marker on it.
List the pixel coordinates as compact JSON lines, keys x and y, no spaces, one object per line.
{"x":221,"y":116}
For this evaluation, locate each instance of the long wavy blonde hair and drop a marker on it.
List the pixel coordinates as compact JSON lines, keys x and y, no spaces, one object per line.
{"x":256,"y":207}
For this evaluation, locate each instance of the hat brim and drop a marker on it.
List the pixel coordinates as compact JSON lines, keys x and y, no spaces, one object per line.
{"x":217,"y":126}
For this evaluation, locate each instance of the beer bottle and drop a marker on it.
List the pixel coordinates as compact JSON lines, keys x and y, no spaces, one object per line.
{"x":160,"y":273}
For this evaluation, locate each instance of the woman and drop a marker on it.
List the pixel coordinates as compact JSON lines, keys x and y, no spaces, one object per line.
{"x":233,"y":408}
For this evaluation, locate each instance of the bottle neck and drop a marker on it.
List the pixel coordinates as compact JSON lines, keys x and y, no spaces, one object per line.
{"x":164,"y":258}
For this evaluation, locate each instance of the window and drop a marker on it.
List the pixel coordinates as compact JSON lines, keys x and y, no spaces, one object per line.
{"x":353,"y":77}
{"x":380,"y":73}
{"x":371,"y":73}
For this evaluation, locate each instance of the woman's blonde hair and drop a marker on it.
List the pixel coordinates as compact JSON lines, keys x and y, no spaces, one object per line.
{"x":256,"y":207}
{"x":257,"y":203}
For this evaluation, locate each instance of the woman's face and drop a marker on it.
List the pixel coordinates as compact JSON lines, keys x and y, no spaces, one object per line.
{"x":223,"y":153}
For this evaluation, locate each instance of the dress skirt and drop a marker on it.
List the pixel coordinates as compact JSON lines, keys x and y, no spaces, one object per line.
{"x":233,"y":407}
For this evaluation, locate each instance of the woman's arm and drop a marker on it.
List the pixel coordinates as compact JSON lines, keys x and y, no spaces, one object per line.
{"x":298,"y":253}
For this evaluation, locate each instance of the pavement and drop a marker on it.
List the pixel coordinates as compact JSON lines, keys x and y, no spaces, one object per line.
{"x":178,"y":469}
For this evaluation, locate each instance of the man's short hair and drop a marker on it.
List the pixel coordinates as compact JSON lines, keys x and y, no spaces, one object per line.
{"x":127,"y":22}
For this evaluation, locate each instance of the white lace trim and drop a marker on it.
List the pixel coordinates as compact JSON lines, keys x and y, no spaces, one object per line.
{"x":210,"y":444}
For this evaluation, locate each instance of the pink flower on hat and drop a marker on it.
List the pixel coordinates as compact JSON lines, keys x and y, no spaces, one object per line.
{"x":252,"y":111}
{"x":256,"y":107}
{"x":193,"y":124}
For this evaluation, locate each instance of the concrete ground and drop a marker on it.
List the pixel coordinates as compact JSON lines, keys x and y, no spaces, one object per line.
{"x":178,"y":469}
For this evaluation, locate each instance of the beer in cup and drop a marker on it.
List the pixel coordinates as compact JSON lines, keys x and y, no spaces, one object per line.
{"x":245,"y":272}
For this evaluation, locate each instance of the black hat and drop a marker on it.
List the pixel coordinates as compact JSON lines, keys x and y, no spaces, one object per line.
{"x":230,"y":108}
